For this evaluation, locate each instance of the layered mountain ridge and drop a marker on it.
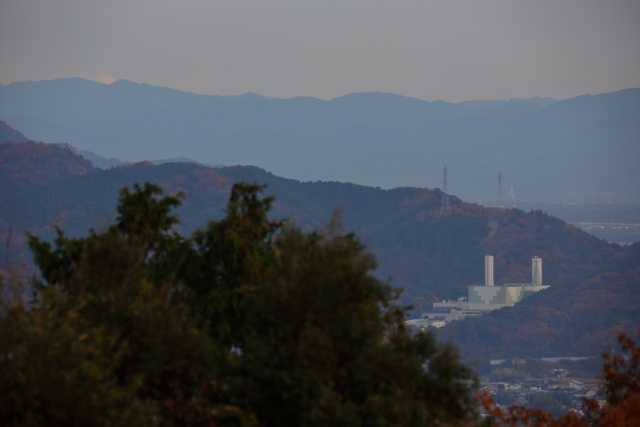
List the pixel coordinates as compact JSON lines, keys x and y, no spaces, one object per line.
{"x":545,"y":149}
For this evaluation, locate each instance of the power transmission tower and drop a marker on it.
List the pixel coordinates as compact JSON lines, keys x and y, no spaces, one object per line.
{"x":445,"y":206}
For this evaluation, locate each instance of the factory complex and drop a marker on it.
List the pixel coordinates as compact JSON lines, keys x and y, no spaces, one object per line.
{"x":490,"y":297}
{"x":482,"y":299}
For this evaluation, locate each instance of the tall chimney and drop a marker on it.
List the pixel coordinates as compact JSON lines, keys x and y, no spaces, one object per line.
{"x":488,"y":270}
{"x":536,"y":270}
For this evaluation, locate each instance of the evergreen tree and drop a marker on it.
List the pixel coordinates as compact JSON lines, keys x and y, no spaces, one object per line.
{"x":248,"y":321}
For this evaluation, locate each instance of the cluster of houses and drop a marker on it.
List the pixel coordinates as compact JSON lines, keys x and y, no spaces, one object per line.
{"x":521,"y":393}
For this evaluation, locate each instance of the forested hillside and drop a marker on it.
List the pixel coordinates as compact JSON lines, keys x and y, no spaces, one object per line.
{"x":427,"y":254}
{"x":241,"y":324}
{"x":579,"y":318}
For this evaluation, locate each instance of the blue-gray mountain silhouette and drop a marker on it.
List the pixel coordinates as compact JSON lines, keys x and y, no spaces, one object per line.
{"x":546,"y":149}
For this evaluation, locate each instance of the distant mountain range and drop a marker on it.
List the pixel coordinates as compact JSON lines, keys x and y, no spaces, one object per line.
{"x":102,"y":162}
{"x":569,"y":150}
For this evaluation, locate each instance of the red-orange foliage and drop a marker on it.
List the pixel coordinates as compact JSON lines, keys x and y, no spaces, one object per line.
{"x":39,"y":162}
{"x":517,"y":415}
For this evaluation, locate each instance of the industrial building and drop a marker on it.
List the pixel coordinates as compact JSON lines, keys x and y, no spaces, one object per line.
{"x":490,"y":297}
{"x":481,"y":299}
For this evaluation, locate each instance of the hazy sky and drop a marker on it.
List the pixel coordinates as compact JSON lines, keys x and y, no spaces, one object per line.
{"x":445,"y":49}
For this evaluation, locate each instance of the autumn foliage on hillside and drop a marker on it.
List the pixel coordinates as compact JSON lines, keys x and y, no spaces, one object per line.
{"x":561,"y":245}
{"x":429,"y":255}
{"x":39,"y":162}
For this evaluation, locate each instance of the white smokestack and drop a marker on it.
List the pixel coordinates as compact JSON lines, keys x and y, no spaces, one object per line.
{"x":488,"y":270}
{"x":536,"y":271}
